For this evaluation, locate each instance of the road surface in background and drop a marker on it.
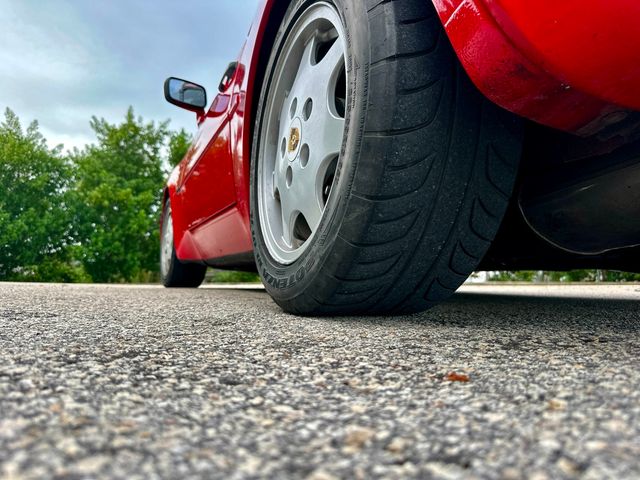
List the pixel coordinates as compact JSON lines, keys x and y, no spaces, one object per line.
{"x":500,"y":382}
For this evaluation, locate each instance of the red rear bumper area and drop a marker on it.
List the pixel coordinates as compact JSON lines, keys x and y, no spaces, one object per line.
{"x":572,"y":65}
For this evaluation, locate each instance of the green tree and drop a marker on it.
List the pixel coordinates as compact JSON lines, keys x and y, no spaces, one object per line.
{"x":513,"y":276}
{"x":117,"y":199}
{"x":568,"y":276}
{"x":179,"y":144}
{"x":35,"y":229}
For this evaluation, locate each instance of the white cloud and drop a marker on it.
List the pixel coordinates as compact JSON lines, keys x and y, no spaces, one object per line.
{"x":62,"y":62}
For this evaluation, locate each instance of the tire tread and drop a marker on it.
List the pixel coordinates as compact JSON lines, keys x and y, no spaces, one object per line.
{"x":490,"y":176}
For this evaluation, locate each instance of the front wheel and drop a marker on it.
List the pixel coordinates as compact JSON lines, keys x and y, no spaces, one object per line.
{"x":379,"y":174}
{"x":173,"y":272}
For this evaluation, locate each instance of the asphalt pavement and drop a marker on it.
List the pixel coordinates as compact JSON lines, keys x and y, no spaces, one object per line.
{"x":142,"y":382}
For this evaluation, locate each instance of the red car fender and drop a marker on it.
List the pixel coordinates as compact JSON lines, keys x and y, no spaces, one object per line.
{"x":572,"y":65}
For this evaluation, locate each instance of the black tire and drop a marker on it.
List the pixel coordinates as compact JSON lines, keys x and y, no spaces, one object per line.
{"x":425,"y":175}
{"x":177,"y":274}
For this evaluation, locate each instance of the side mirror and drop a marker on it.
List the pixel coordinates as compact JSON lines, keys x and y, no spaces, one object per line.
{"x":184,"y":94}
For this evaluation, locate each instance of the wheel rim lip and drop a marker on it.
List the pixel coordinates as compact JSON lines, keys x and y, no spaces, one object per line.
{"x":282,"y":253}
{"x":167,"y":244}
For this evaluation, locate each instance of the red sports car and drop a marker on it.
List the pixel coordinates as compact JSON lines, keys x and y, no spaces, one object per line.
{"x":365,"y":156}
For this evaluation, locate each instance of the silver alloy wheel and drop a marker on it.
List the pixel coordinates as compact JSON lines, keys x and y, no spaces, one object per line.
{"x":302,"y":132}
{"x":166,"y":250}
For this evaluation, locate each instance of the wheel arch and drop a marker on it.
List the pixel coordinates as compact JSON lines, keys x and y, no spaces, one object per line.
{"x":268,"y":25}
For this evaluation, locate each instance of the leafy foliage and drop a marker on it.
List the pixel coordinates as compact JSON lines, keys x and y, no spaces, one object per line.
{"x":179,"y":144}
{"x":226,"y":276}
{"x":116,"y":199}
{"x":91,"y":215}
{"x":34,"y":217}
{"x":560,"y":277}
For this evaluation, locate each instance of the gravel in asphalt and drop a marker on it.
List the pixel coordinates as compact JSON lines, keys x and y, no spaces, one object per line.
{"x":142,"y":382}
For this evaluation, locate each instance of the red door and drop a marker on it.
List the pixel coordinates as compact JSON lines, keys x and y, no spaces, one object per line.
{"x":206,"y":186}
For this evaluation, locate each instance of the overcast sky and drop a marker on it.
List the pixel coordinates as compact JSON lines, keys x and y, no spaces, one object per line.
{"x":62,"y":61}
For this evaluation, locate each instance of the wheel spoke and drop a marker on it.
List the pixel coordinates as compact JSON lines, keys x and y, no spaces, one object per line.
{"x":332,"y":133}
{"x":311,"y":210}
{"x":307,"y":57}
{"x":300,"y":196}
{"x":305,"y":70}
{"x":287,"y":205}
{"x":331,"y":62}
{"x":325,"y":143}
{"x":284,"y":121}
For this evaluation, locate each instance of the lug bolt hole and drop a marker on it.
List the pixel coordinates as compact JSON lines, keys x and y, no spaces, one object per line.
{"x":283,"y":147}
{"x":304,"y":155}
{"x":308,"y":108}
{"x":289,"y":176}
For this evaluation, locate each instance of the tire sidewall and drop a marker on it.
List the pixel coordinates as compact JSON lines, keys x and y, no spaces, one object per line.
{"x":286,"y":282}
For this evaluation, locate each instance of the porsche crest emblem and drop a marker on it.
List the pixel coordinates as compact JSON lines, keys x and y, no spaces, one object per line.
{"x":294,"y":139}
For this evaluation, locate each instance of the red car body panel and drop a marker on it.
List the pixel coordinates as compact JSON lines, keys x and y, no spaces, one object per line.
{"x":572,"y":65}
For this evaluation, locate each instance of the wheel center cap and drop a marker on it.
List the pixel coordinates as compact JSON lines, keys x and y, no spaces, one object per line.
{"x":294,"y":139}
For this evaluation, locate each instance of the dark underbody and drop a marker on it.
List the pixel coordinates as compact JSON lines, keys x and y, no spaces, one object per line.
{"x":576,"y":204}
